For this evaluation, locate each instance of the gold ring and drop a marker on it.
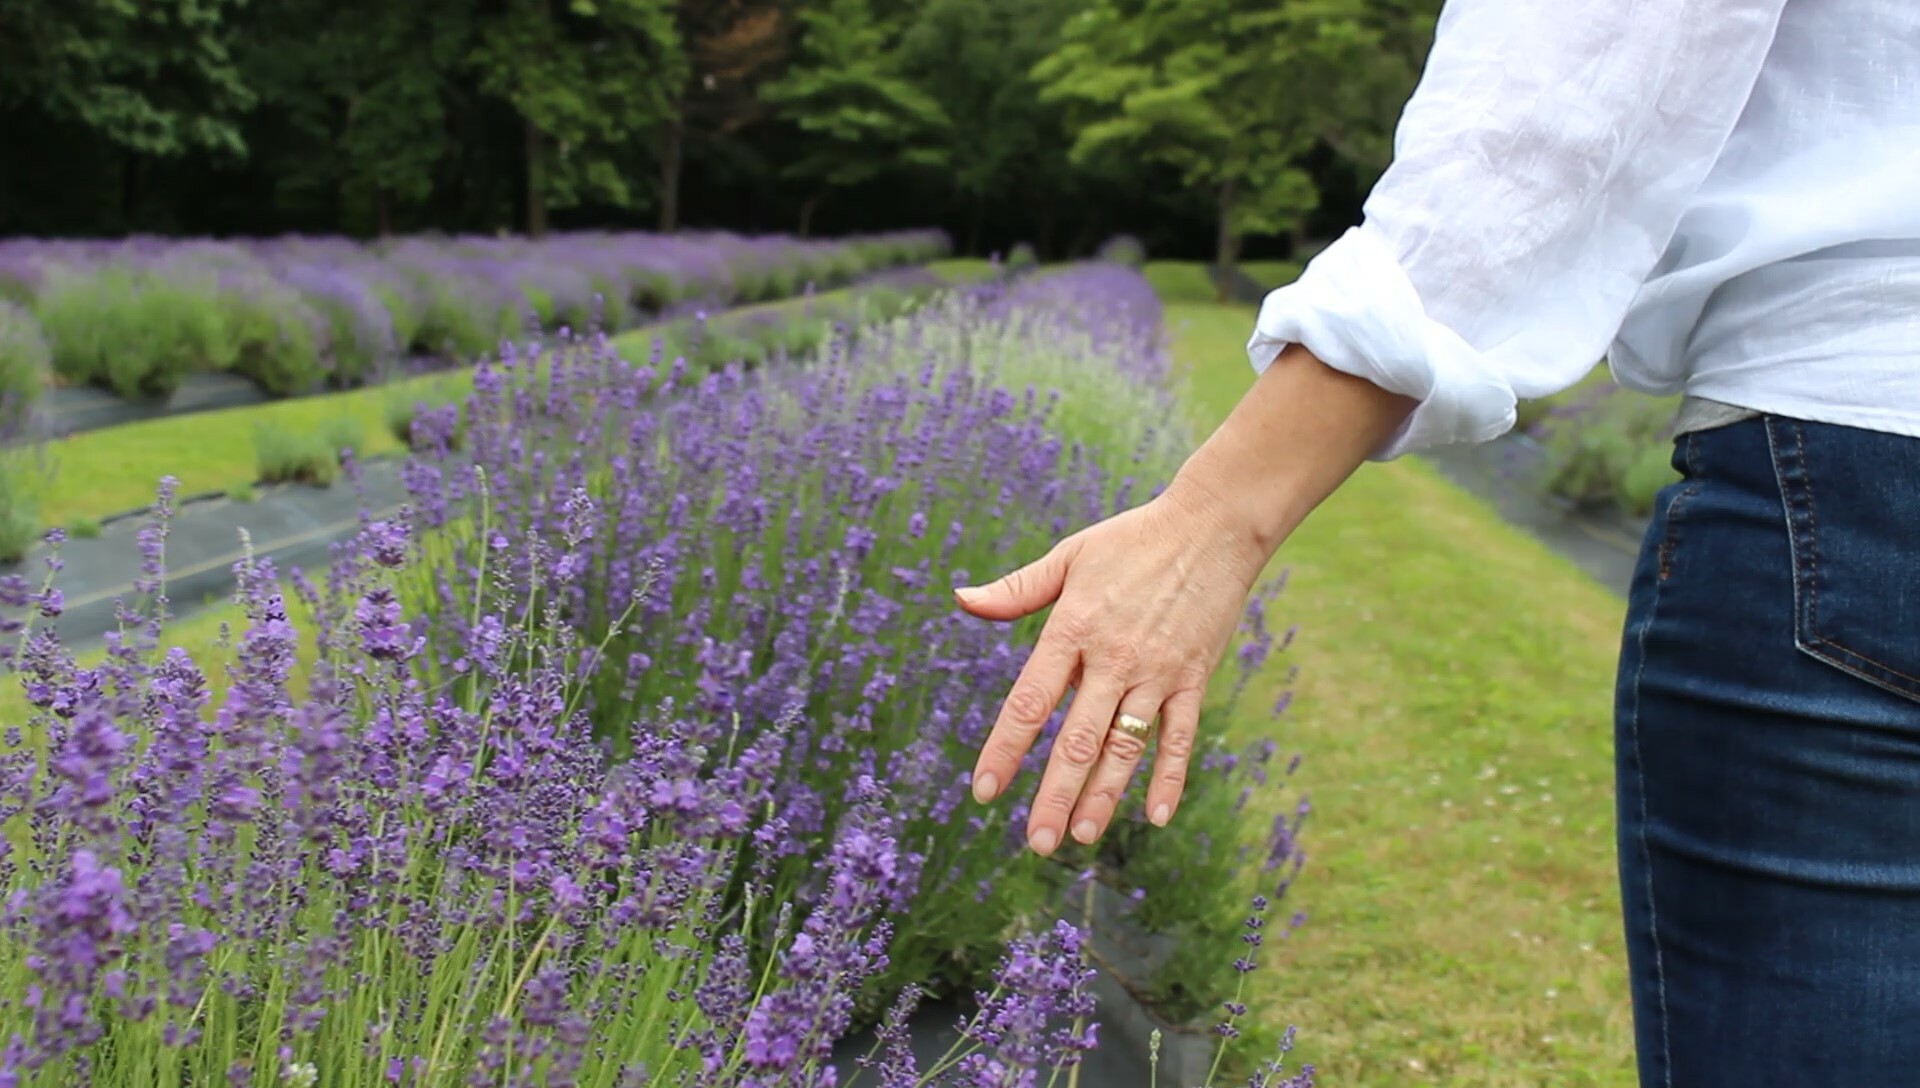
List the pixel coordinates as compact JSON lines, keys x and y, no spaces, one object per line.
{"x":1137,"y":728}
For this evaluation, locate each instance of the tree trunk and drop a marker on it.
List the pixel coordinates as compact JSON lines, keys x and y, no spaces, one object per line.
{"x":536,"y":181}
{"x":1226,"y":253}
{"x":671,"y":157}
{"x":807,"y":208}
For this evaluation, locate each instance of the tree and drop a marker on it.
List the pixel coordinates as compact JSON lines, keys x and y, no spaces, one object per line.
{"x":849,"y":92}
{"x":367,"y":81}
{"x":975,"y":58}
{"x":733,"y":48}
{"x":589,"y":79}
{"x":1233,"y":93}
{"x":156,"y":77}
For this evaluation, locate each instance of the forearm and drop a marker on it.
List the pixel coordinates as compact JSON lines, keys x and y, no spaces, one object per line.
{"x":1299,"y":432}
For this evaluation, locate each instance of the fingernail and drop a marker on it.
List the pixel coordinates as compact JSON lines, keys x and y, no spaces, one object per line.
{"x":970,"y":594}
{"x":1086,"y":832}
{"x":986,"y":788}
{"x":1161,"y":814}
{"x":1044,"y":840}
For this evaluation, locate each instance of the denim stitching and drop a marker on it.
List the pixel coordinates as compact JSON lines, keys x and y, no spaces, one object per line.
{"x":1671,"y":540}
{"x":1639,"y":771}
{"x":1812,"y":529}
{"x":1838,"y":654}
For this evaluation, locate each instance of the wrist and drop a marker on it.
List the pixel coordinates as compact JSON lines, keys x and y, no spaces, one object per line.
{"x":1247,"y":529}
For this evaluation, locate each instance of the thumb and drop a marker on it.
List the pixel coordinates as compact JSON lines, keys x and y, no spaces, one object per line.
{"x":1020,"y":593}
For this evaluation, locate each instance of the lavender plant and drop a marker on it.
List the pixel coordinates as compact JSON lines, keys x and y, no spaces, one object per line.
{"x":1124,"y":249}
{"x":140,"y":314}
{"x":802,"y":527}
{"x":381,"y":883}
{"x":1608,"y":446}
{"x":388,"y":881}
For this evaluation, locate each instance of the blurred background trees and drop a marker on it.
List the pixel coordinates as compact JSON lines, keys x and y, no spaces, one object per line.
{"x":1208,"y":127}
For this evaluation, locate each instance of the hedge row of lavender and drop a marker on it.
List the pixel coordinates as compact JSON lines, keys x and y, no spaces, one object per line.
{"x":633,"y":755}
{"x":1606,"y":446}
{"x":293,"y":314}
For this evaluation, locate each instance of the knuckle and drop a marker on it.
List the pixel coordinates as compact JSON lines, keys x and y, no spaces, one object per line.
{"x":1027,"y":706}
{"x":1193,"y":676}
{"x":1124,"y":747}
{"x":1100,"y":801}
{"x":1055,"y":805}
{"x":1079,"y":747}
{"x":1177,"y":743}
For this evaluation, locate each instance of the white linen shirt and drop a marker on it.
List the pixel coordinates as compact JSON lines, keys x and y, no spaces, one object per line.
{"x":1720,"y":196}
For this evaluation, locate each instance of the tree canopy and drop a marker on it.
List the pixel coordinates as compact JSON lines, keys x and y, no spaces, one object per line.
{"x":1196,"y":123}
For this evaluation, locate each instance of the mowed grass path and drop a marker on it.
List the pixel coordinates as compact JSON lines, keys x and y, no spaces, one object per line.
{"x":1453,"y":705}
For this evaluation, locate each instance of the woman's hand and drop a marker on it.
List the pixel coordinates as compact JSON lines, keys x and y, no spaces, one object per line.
{"x":1147,"y":600}
{"x":1144,"y":603}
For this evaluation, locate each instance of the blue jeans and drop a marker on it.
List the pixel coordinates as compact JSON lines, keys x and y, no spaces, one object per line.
{"x":1767,"y":738}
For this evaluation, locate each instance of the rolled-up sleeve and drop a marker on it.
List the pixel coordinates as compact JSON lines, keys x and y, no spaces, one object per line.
{"x":1539,"y":172}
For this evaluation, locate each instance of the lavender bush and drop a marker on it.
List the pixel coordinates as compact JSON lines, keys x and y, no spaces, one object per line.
{"x":1124,"y":249}
{"x":135,"y":332}
{"x":1608,"y":446}
{"x":25,"y":364}
{"x":381,"y":882}
{"x":634,"y":755}
{"x":799,"y":529}
{"x":291,"y":314}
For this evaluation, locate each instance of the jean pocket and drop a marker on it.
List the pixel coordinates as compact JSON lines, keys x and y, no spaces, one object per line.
{"x":1852,"y":500}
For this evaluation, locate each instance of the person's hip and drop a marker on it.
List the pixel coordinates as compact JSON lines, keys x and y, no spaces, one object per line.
{"x":1768,"y":732}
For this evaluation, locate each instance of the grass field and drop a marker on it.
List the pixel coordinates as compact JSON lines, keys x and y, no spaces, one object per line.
{"x":1189,"y":281}
{"x":1453,"y":705}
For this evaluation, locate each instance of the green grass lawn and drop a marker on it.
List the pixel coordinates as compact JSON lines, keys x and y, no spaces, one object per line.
{"x":962,"y":269}
{"x":1190,"y":281}
{"x":1453,"y":705}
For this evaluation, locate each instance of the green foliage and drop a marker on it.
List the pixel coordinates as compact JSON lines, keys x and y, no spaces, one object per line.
{"x":1022,"y":258}
{"x":156,"y":77}
{"x":587,"y":78}
{"x":137,"y":333}
{"x":84,"y":529}
{"x":1124,"y":249}
{"x":25,"y":364}
{"x":367,"y":81}
{"x":19,"y":524}
{"x":285,"y":456}
{"x":1174,"y":81}
{"x":272,"y":338}
{"x":1272,"y":274}
{"x":1608,"y":446}
{"x":26,"y":475}
{"x":975,"y":58}
{"x":344,"y":434}
{"x":849,"y":91}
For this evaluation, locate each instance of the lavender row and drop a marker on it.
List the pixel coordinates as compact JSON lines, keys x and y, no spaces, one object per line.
{"x":293,"y":314}
{"x":635,"y":753}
